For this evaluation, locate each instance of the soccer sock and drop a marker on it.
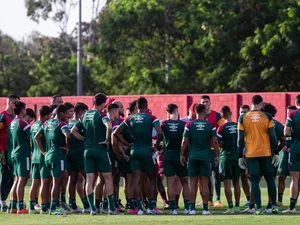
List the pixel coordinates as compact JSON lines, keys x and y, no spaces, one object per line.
{"x":186,"y":204}
{"x":48,"y":205}
{"x":139,"y":204}
{"x":255,"y":189}
{"x":292,"y":203}
{"x":44,"y":207}
{"x":271,"y":187}
{"x":85,"y":203}
{"x":237,"y":204}
{"x":53,"y":205}
{"x":90,"y":198}
{"x":116,"y":203}
{"x":230,"y":205}
{"x":63,"y":196}
{"x":97,"y":203}
{"x":269,"y":206}
{"x":3,"y":203}
{"x":248,"y":198}
{"x":72,"y":203}
{"x":217,"y":185}
{"x":280,"y":197}
{"x":146,"y":202}
{"x":172,"y":204}
{"x":151,"y":204}
{"x":31,"y":205}
{"x":20,"y":205}
{"x":193,"y":206}
{"x":105,"y":203}
{"x":177,"y":199}
{"x":111,"y":203}
{"x":205,"y":207}
{"x":131,"y":202}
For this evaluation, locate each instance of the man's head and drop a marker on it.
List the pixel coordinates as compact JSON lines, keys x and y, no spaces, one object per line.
{"x":70,"y":107}
{"x":113,"y":110}
{"x":132,"y":108}
{"x":53,"y":110}
{"x":192,"y":111}
{"x":256,"y":101}
{"x":244,"y":109}
{"x":121,"y":107}
{"x":11,"y":100}
{"x":100,"y":101}
{"x":297,"y":101}
{"x":20,"y":109}
{"x":172,"y":110}
{"x":56,"y":100}
{"x":205,"y":100}
{"x":225,"y":112}
{"x":62,"y":113}
{"x":45,"y":112}
{"x":30,"y":115}
{"x":269,"y":108}
{"x":80,"y":108}
{"x":142,"y":103}
{"x":290,"y":108}
{"x":200,"y":110}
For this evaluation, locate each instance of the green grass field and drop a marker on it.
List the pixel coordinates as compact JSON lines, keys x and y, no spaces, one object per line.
{"x":217,"y":217}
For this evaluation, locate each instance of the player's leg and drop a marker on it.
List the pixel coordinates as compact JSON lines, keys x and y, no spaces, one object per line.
{"x":23,"y":173}
{"x":217,"y":185}
{"x":245,"y":186}
{"x":161,"y":189}
{"x":13,"y":196}
{"x":236,"y":186}
{"x":80,"y":188}
{"x":186,"y":192}
{"x":193,"y":173}
{"x":145,"y":185}
{"x":178,"y":189}
{"x":228,"y":194}
{"x":63,"y":188}
{"x":100,"y":199}
{"x":73,"y":178}
{"x":170,"y":174}
{"x":284,"y":172}
{"x":33,"y":192}
{"x":45,"y":187}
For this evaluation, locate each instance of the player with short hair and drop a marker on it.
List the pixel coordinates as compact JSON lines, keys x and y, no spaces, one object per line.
{"x":141,"y":125}
{"x":192,"y":115}
{"x":37,"y":163}
{"x":284,"y":166}
{"x":173,"y":129}
{"x":197,"y":135}
{"x":256,"y":132}
{"x":57,"y":135}
{"x":229,"y":159}
{"x":30,"y":115}
{"x":6,"y":117}
{"x":97,"y":129}
{"x":56,"y":100}
{"x":292,"y":133}
{"x":20,"y":155}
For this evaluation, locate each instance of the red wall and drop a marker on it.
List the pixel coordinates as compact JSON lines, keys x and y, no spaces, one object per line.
{"x":157,"y":103}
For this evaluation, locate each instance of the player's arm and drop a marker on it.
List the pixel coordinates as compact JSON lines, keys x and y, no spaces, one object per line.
{"x":75,"y":131}
{"x":38,"y":140}
{"x":288,"y":125}
{"x":184,"y":143}
{"x":241,"y":136}
{"x":66,"y":131}
{"x":272,"y":135}
{"x":118,"y":133}
{"x":159,"y":136}
{"x":219,"y":134}
{"x":215,"y":142}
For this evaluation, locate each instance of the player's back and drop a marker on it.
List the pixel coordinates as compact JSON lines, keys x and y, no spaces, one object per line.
{"x":94,"y":130}
{"x":278,"y":129}
{"x":19,"y":140}
{"x":294,"y":119}
{"x":228,"y":134}
{"x":172,"y":131}
{"x":256,"y":125}
{"x":53,"y":135}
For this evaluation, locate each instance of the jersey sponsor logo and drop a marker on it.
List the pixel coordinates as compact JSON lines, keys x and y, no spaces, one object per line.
{"x":139,"y":119}
{"x":51,"y":125}
{"x":173,"y":127}
{"x":255,"y":117}
{"x":90,"y":116}
{"x":200,"y":125}
{"x":232,"y":129}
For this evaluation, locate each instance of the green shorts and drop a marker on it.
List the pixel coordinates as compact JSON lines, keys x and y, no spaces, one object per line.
{"x":35,"y":171}
{"x":229,"y":170}
{"x":144,"y":163}
{"x":198,"y":167}
{"x":294,"y":162}
{"x":21,"y":166}
{"x":172,"y":168}
{"x":75,"y":162}
{"x":97,"y":160}
{"x":55,"y":162}
{"x":124,"y":167}
{"x":259,"y":165}
{"x":284,"y":165}
{"x":44,"y":170}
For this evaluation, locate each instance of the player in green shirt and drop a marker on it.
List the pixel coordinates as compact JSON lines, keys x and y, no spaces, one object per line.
{"x":19,"y":133}
{"x":141,"y":126}
{"x":197,"y":135}
{"x":36,"y":160}
{"x":57,"y":134}
{"x":97,"y":129}
{"x":173,"y":129}
{"x":229,"y":159}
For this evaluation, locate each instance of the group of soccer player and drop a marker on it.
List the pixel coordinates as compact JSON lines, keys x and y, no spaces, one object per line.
{"x":71,"y":148}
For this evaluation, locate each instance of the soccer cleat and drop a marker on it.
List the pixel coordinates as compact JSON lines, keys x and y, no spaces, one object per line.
{"x":289,"y":211}
{"x":210,"y":204}
{"x":93,"y":213}
{"x":140,"y":212}
{"x":116,"y":212}
{"x":56,"y":213}
{"x":192,"y":212}
{"x":77,"y":210}
{"x":237,"y":210}
{"x":45,"y":212}
{"x":12,"y":211}
{"x":158,"y":211}
{"x":206,"y":213}
{"x":33,"y":212}
{"x":268,"y":211}
{"x":98,"y":210}
{"x":248,"y":210}
{"x":279,"y":204}
{"x":23,"y":211}
{"x":87,"y":210}
{"x":229,"y":211}
{"x":152,"y":212}
{"x":186,"y":212}
{"x":61,"y":210}
{"x":166,"y":205}
{"x":65,"y":206}
{"x":173,"y":212}
{"x":127,"y":206}
{"x":200,"y":204}
{"x":37,"y":207}
{"x":259,"y":212}
{"x":133,"y":211}
{"x":4,"y":208}
{"x":104,"y":211}
{"x":119,"y":209}
{"x":218,"y":204}
{"x":120,"y":204}
{"x":275,"y":210}
{"x":247,"y":204}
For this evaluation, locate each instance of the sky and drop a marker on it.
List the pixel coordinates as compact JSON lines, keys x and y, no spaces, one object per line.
{"x":14,"y":21}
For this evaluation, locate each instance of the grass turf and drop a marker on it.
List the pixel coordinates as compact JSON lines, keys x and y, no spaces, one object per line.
{"x":217,"y":217}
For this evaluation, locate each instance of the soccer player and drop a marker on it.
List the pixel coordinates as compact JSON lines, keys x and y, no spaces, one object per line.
{"x":76,"y":163}
{"x":56,"y":100}
{"x":192,"y":114}
{"x":97,"y":129}
{"x":30,"y":115}
{"x":173,"y":129}
{"x":141,"y":125}
{"x":242,"y":162}
{"x":256,"y":132}
{"x":292,"y":130}
{"x":229,"y":159}
{"x":19,"y":133}
{"x":6,"y":117}
{"x":216,"y":120}
{"x":36,"y":163}
{"x":198,"y":135}
{"x":284,"y":166}
{"x":57,"y":135}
